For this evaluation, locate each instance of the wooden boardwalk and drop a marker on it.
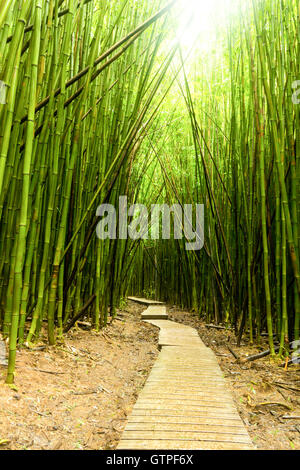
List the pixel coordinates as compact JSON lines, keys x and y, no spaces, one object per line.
{"x":185,"y":403}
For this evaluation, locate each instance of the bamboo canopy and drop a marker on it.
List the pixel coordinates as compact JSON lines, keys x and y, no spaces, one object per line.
{"x":101,"y":102}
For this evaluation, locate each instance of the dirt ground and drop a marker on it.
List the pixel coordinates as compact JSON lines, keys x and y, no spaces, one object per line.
{"x":265,"y":394}
{"x":77,"y":395}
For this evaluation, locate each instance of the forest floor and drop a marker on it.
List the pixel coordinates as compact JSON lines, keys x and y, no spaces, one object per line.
{"x":265,"y":394}
{"x":78,"y":394}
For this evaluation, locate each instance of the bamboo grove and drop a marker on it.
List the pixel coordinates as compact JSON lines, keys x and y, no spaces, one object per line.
{"x":100,"y":101}
{"x":80,"y":79}
{"x":237,"y":152}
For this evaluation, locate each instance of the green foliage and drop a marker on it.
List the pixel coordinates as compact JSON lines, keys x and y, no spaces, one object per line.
{"x":236,"y":150}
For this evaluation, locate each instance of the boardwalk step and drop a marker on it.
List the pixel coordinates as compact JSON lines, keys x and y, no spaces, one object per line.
{"x":155,"y":313}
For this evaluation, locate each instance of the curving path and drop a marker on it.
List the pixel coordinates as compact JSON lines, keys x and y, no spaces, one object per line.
{"x":185,"y":403}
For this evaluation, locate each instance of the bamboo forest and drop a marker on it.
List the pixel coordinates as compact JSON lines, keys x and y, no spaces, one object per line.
{"x":110,"y":328}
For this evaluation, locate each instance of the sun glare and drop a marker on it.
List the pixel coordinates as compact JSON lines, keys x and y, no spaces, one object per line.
{"x":199,"y":19}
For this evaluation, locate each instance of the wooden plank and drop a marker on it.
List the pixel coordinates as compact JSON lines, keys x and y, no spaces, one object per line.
{"x":186,"y":435}
{"x":185,"y":388}
{"x":3,"y":355}
{"x":207,"y":430}
{"x":207,"y":402}
{"x":185,"y":373}
{"x":145,"y":301}
{"x":179,"y":382}
{"x":180,"y":394}
{"x":204,"y":411}
{"x":155,"y":313}
{"x":135,"y":444}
